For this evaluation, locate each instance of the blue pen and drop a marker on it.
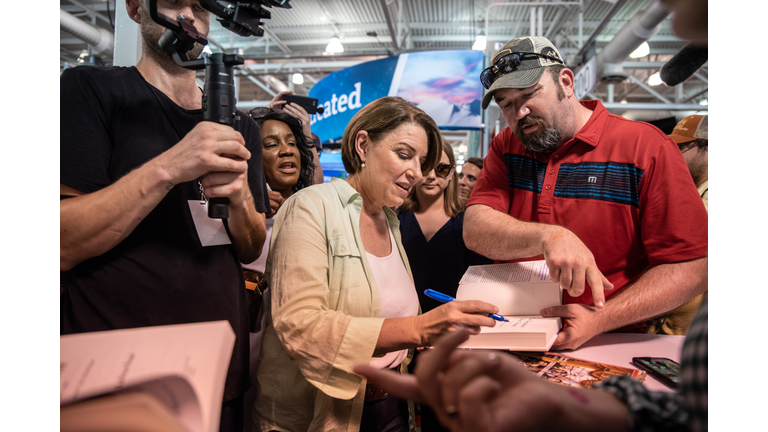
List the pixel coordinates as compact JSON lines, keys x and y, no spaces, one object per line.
{"x":446,"y":298}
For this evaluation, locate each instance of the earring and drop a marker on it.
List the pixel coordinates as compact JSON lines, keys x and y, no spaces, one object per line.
{"x":363,"y":165}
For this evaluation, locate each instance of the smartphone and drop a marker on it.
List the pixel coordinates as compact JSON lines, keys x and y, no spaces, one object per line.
{"x":309,"y":104}
{"x":663,"y":369}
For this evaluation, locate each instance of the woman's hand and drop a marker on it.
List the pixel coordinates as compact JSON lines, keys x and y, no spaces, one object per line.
{"x":275,"y":201}
{"x":471,"y":313}
{"x":277,"y":101}
{"x":295,"y":110}
{"x":300,"y":113}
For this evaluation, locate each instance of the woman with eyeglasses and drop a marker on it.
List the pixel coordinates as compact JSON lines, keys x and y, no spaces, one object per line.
{"x":431,"y":220}
{"x":341,"y":287}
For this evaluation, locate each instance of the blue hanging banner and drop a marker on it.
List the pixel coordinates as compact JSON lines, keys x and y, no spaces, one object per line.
{"x":445,"y":84}
{"x":344,"y":92}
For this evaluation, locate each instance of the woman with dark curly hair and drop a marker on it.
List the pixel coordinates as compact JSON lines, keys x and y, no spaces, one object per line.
{"x":287,"y":158}
{"x":288,"y":167}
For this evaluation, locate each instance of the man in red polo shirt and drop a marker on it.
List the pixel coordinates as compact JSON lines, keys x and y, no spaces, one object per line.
{"x":608,"y":202}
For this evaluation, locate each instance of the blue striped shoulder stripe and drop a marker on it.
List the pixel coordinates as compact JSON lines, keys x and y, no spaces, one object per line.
{"x":525,"y":173}
{"x":604,"y":181}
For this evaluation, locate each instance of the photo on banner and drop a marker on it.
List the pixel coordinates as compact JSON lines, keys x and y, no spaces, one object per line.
{"x":445,"y":85}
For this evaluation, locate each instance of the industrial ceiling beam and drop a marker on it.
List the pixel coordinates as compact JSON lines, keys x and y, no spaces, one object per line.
{"x":648,"y":88}
{"x":390,"y":23}
{"x":414,"y":25}
{"x":351,"y":40}
{"x":90,"y":11}
{"x":277,"y":41}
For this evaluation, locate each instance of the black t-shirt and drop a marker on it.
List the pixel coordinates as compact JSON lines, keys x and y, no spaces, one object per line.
{"x":113,"y":121}
{"x":439,"y":263}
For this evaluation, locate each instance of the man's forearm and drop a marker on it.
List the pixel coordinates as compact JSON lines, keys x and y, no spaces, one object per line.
{"x":92,"y":224}
{"x":659,"y":290}
{"x":499,"y":236}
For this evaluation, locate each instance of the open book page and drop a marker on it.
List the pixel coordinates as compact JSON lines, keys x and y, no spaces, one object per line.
{"x":531,"y":271}
{"x":570,"y":371}
{"x":98,"y":363}
{"x":515,"y":288}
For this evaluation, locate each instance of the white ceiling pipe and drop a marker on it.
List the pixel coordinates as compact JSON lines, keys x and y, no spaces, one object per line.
{"x":533,"y":21}
{"x":101,"y":40}
{"x":540,"y":29}
{"x":554,"y":3}
{"x":639,"y":29}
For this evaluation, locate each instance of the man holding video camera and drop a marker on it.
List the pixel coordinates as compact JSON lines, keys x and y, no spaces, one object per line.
{"x":136,"y":162}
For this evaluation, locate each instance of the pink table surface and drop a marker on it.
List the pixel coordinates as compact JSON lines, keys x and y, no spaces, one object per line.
{"x":619,"y":348}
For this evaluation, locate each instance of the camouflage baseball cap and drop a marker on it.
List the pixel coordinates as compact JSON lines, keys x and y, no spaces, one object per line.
{"x":530,"y":69}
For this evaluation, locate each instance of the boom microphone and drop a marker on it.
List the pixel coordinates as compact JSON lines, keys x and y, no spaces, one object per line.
{"x":680,"y":67}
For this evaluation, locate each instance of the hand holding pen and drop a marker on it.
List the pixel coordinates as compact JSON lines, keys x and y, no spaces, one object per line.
{"x":470,"y":314}
{"x":445,"y":298}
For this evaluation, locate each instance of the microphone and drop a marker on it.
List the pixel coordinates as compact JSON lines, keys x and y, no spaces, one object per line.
{"x":680,"y":67}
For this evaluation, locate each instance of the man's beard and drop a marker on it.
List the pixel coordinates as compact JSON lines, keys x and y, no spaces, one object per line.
{"x":151,"y":33}
{"x":544,"y":139}
{"x":696,"y":167}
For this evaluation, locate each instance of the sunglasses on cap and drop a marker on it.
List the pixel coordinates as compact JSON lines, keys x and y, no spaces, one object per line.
{"x":260,"y":112}
{"x":443,"y":170}
{"x":507,"y":63}
{"x":687,"y":146}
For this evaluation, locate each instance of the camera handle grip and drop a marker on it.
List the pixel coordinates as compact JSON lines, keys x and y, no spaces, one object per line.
{"x":219,"y":107}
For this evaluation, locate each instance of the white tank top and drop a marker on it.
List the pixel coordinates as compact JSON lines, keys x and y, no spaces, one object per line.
{"x":398,"y":296}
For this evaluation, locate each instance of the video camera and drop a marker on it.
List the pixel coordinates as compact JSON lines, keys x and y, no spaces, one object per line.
{"x":240,"y":17}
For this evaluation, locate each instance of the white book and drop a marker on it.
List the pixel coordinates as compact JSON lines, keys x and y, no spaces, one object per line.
{"x":520,"y":291}
{"x":182,"y":367}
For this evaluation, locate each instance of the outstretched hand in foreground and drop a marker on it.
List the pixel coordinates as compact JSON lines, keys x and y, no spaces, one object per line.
{"x":491,"y":391}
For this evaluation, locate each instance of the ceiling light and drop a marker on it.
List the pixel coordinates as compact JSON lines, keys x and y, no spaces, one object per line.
{"x":623,"y":101}
{"x":641,"y":51}
{"x":462,"y":148}
{"x":334,"y":46}
{"x":654,"y":79}
{"x":479,"y":44}
{"x":704,"y":102}
{"x":297,"y":78}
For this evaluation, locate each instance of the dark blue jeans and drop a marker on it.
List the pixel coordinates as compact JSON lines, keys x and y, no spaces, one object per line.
{"x":387,"y":415}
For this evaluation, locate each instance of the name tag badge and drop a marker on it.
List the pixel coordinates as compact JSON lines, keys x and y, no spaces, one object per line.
{"x":211,"y":232}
